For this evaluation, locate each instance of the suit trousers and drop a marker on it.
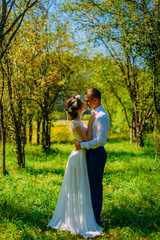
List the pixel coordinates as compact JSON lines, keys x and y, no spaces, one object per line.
{"x":96,"y":159}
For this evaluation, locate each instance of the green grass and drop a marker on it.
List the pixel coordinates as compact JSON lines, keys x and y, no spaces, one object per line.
{"x":131,"y":203}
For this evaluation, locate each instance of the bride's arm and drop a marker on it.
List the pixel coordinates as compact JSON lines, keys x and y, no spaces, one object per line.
{"x":81,"y":132}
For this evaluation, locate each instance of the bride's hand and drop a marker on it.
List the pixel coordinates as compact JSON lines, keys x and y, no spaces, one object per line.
{"x":77,"y":145}
{"x":92,"y":118}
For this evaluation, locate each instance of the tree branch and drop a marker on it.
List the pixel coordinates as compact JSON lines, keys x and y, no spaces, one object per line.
{"x":3,"y":76}
{"x":10,"y":8}
{"x":3,"y":18}
{"x":20,"y":19}
{"x":119,"y":99}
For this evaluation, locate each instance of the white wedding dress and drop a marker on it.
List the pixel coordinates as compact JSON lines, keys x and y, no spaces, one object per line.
{"x":74,"y":211}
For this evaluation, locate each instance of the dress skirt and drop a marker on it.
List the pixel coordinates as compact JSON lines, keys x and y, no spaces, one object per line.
{"x":73,"y":210}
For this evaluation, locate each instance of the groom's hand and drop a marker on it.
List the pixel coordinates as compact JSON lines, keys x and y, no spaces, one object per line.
{"x":77,"y":145}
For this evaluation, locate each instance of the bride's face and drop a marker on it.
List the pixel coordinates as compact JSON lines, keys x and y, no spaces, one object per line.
{"x":82,"y":110}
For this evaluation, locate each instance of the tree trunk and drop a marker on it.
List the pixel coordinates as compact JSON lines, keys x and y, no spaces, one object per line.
{"x":49,"y":135}
{"x":17,"y":120}
{"x":133,"y":128}
{"x":20,"y":150}
{"x":0,"y":134}
{"x":30,"y":129}
{"x":24,"y":135}
{"x":157,"y":130}
{"x":45,"y":133}
{"x":131,"y":135}
{"x":3,"y":134}
{"x":4,"y":152}
{"x":139,"y":137}
{"x":38,"y":128}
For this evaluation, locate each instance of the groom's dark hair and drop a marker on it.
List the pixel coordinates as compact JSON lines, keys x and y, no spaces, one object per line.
{"x":94,"y":93}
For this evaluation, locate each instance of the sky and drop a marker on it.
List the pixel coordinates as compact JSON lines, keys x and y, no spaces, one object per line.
{"x":80,"y":36}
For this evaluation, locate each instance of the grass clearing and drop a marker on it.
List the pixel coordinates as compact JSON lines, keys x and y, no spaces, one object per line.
{"x":131,"y":203}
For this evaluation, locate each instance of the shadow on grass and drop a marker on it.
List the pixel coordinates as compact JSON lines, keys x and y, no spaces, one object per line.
{"x":34,"y":221}
{"x":117,"y":139}
{"x":63,"y":142}
{"x":127,"y":156}
{"x":44,"y":171}
{"x":52,"y":151}
{"x":42,"y":155}
{"x":146,"y":222}
{"x":20,"y":214}
{"x":121,"y":155}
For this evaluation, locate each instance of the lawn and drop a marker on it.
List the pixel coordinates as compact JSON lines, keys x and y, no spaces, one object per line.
{"x":131,"y":203}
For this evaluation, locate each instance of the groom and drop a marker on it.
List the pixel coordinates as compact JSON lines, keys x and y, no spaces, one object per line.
{"x":96,"y":154}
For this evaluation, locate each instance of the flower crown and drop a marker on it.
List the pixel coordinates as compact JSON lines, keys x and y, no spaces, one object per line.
{"x":74,"y":105}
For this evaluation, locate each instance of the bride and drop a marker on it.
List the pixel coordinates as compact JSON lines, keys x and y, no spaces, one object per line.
{"x":74,"y":211}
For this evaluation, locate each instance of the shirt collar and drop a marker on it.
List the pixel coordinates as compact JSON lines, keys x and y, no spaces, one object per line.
{"x":98,"y":109}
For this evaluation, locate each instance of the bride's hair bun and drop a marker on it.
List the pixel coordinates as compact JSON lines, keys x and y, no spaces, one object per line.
{"x":72,"y":106}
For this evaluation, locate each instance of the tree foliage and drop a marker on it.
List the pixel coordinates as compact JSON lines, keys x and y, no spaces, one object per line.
{"x":113,"y":24}
{"x":11,"y":18}
{"x":43,"y":64}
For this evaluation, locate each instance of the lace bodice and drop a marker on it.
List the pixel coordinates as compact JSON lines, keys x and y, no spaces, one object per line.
{"x":75,"y":124}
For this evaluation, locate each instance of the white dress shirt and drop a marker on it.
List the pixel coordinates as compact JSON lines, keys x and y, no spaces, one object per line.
{"x":100,"y":129}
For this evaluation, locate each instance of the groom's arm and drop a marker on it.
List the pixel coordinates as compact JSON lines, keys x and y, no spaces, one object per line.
{"x":102,"y":130}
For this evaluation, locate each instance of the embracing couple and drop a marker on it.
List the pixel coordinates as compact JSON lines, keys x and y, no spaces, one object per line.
{"x":79,"y":203}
